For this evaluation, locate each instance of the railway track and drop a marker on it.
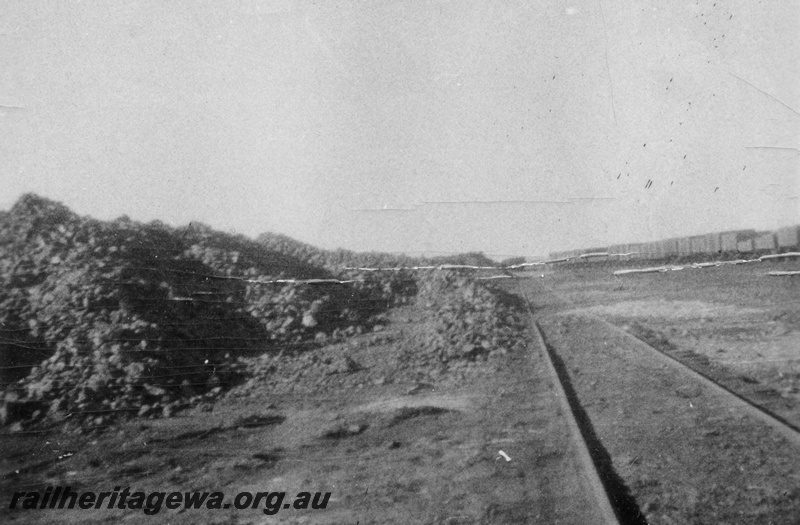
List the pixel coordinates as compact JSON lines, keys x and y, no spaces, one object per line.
{"x":749,"y":398}
{"x":597,"y":473}
{"x":679,"y":445}
{"x":789,"y":431}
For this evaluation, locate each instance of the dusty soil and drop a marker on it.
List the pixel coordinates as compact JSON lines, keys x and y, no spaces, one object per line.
{"x":398,"y":438}
{"x":687,"y":455}
{"x":392,"y":440}
{"x":755,"y":353}
{"x":733,"y":324}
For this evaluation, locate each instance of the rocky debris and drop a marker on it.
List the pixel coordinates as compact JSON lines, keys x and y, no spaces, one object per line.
{"x":13,"y":410}
{"x":106,"y":320}
{"x":342,"y":365}
{"x":468,"y":322}
{"x":432,"y":350}
{"x":308,"y":370}
{"x":101,"y":320}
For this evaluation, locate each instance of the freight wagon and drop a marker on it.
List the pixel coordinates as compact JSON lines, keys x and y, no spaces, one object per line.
{"x":765,"y":242}
{"x":646,"y":250}
{"x":745,"y":246}
{"x":655,"y":250}
{"x":670,"y":247}
{"x":725,"y":244}
{"x":698,"y":245}
{"x":713,"y":243}
{"x":684,"y":246}
{"x":788,"y":239}
{"x":729,"y":241}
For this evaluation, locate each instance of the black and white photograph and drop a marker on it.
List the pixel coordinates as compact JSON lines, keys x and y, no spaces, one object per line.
{"x":431,"y":262}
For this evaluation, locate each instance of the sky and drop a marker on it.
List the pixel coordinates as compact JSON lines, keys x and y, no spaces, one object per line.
{"x":512,"y":128}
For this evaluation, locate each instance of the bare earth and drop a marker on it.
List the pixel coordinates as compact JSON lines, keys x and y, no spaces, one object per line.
{"x":397,"y":442}
{"x":391,"y":444}
{"x":688,"y":454}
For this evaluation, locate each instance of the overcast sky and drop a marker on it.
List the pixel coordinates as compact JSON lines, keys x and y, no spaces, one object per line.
{"x":514,"y":128}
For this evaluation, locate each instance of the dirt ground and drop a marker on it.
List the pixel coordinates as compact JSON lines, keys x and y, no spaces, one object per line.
{"x":395,"y":440}
{"x":391,"y":442}
{"x":735,"y":324}
{"x":686,"y":454}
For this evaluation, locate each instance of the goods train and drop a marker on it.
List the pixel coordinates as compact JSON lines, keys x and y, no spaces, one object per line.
{"x":720,"y":245}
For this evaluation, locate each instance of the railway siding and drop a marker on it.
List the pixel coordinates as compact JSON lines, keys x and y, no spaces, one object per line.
{"x":779,"y":411}
{"x":688,"y":452}
{"x":601,"y":482}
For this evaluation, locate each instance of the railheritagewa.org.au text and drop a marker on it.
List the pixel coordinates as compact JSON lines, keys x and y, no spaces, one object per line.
{"x":152,"y":502}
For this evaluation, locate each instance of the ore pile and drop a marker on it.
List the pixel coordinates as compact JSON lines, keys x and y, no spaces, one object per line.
{"x":468,"y":321}
{"x":100,"y":320}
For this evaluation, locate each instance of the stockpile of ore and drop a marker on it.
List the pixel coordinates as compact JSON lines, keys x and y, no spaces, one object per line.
{"x":108,"y":319}
{"x":468,"y":320}
{"x":101,"y":319}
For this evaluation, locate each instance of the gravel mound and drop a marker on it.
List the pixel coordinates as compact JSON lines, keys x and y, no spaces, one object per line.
{"x":100,"y":320}
{"x":107,"y":319}
{"x":468,"y":322}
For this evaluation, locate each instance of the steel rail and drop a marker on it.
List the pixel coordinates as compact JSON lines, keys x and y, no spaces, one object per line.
{"x":604,"y":506}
